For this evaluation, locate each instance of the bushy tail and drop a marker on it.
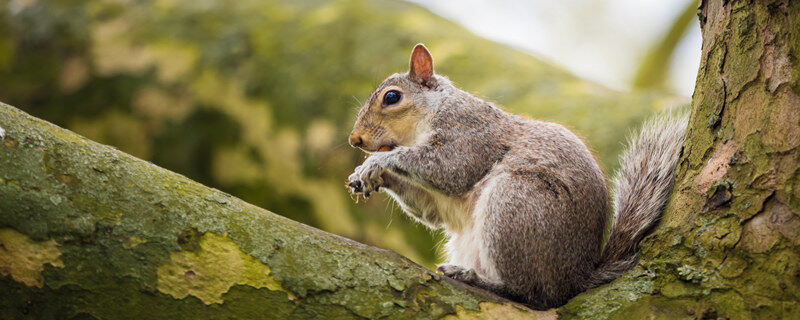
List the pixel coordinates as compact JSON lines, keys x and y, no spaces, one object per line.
{"x":641,"y":190}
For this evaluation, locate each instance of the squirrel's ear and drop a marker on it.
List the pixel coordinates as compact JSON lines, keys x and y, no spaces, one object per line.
{"x":421,"y":66}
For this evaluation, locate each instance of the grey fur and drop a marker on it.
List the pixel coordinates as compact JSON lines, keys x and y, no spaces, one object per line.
{"x":641,"y":190}
{"x":523,"y":202}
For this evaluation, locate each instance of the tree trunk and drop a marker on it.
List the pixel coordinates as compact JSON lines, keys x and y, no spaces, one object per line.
{"x":88,"y":232}
{"x":728,"y":244}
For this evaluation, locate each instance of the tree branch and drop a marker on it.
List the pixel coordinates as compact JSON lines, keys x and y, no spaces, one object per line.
{"x":89,"y":231}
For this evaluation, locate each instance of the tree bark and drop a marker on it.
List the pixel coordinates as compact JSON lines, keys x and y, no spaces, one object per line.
{"x":728,"y":244}
{"x":88,"y":232}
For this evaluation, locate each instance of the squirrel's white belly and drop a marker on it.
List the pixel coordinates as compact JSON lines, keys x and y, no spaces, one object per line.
{"x":453,"y":211}
{"x":466,"y":244}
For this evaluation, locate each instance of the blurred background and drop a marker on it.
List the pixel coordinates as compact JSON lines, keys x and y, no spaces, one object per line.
{"x":256,"y":97}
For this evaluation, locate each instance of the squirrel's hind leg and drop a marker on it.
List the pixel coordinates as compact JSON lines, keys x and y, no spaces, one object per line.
{"x":470,"y":277}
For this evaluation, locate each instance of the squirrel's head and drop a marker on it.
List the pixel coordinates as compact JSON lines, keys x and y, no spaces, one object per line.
{"x":395,"y":113}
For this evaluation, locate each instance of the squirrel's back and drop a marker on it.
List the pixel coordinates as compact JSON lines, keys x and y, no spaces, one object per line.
{"x":570,"y":185}
{"x":546,"y":226}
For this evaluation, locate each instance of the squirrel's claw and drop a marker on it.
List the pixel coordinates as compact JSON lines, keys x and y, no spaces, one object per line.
{"x":458,"y":273}
{"x":366,"y":179}
{"x":355,"y":186}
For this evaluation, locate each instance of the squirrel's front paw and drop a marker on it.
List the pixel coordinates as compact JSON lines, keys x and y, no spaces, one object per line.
{"x":459,"y":273}
{"x":366,"y":179}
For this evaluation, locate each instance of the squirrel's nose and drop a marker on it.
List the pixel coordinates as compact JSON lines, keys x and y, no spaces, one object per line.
{"x":356,"y":141}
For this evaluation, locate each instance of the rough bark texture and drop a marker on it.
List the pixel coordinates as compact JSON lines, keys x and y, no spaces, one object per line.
{"x":88,"y":232}
{"x":728,"y":245}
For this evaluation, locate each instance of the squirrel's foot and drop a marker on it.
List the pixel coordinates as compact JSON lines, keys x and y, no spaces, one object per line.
{"x":366,"y":178}
{"x":459,"y":273}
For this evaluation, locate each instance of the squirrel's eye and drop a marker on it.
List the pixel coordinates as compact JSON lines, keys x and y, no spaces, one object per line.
{"x":391,"y":97}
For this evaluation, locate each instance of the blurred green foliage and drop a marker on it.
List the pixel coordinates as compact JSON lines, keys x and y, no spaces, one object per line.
{"x":653,"y":70}
{"x":256,"y":97}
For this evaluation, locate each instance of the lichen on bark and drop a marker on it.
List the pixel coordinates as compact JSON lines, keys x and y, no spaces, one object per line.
{"x":24,"y":259}
{"x":212,"y":269}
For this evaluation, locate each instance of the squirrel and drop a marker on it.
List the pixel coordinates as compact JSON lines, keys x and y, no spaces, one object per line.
{"x":523,"y":203}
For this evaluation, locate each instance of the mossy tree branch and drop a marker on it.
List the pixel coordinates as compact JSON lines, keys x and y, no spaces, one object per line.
{"x":87,"y":231}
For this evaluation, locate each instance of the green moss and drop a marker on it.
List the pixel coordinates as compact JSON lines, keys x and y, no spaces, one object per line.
{"x":491,"y":310}
{"x":600,"y":303}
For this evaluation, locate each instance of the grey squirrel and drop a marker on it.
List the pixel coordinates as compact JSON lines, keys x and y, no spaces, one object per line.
{"x":523,"y":202}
